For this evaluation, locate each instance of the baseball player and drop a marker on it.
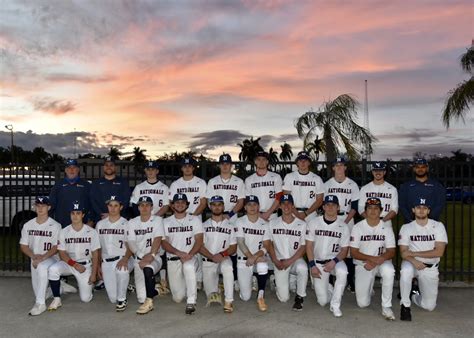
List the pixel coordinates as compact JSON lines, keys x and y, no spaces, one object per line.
{"x":145,"y":233}
{"x":373,"y":247}
{"x":383,"y":190}
{"x":347,"y":193}
{"x":68,"y":190}
{"x":266,"y":186}
{"x":287,"y":234}
{"x":183,"y":240}
{"x":39,"y":241}
{"x":152,"y":188}
{"x":253,"y":238}
{"x":116,"y":260}
{"x":327,"y":244}
{"x":306,"y":188}
{"x":79,"y":252}
{"x":422,"y":243}
{"x":422,"y":185}
{"x":219,"y":243}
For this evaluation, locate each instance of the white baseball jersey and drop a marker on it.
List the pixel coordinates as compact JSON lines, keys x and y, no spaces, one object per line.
{"x":346,"y":192}
{"x":328,"y":238}
{"x":143,"y":233}
{"x":231,"y":190}
{"x":303,"y":188}
{"x":218,"y":236}
{"x":372,"y":241}
{"x":386,"y":192}
{"x":287,"y":238}
{"x":79,"y":245}
{"x":254,"y":234}
{"x":113,"y":237}
{"x":194,"y":189}
{"x":158,"y":192}
{"x":40,"y":238}
{"x":180,"y":232}
{"x":264,"y":187}
{"x":423,"y":238}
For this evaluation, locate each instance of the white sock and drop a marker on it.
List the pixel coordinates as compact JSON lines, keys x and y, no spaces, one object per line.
{"x":260,"y":293}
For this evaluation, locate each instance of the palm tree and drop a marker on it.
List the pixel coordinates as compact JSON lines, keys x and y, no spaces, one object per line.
{"x":272,"y":157}
{"x":286,"y":152}
{"x":316,"y":147}
{"x":460,"y":98}
{"x":336,"y":120}
{"x":114,"y":153}
{"x":139,"y":155}
{"x":249,"y":149}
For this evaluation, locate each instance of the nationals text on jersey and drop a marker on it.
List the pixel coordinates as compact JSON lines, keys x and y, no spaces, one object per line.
{"x":112,"y":232}
{"x":78,"y":240}
{"x":328,"y":233}
{"x":218,"y":229}
{"x":41,"y":233}
{"x":262,"y":184}
{"x":287,"y":232}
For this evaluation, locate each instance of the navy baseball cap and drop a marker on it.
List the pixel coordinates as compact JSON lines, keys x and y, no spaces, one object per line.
{"x":262,"y":154}
{"x":338,"y":160}
{"x":421,"y":161}
{"x":331,"y":199}
{"x":42,"y":200}
{"x":225,"y":158}
{"x":251,"y":198}
{"x":76,"y":206}
{"x":422,"y":201}
{"x":151,"y":164}
{"x":379,"y":166}
{"x":109,"y":159}
{"x":71,"y":162}
{"x":180,"y":197}
{"x":145,"y":199}
{"x":113,"y":198}
{"x":373,"y":201}
{"x":286,"y":198}
{"x":188,"y":161}
{"x":303,"y":155}
{"x":216,"y":199}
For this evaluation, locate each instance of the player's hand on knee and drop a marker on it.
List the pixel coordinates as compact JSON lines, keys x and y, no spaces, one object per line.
{"x":279,"y":264}
{"x":79,"y":267}
{"x":250,"y":261}
{"x":315,"y":273}
{"x":285,"y":263}
{"x":377,"y":260}
{"x":369,"y":266}
{"x":217,"y":258}
{"x":329,"y":266}
{"x":122,"y":264}
{"x":419,"y":265}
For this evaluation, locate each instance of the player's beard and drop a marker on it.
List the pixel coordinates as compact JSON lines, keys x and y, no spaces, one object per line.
{"x":217,"y":213}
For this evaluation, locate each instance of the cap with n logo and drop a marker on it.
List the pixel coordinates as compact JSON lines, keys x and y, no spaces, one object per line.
{"x":331,"y":199}
{"x":113,"y":198}
{"x":180,"y":197}
{"x":77,"y":206}
{"x":145,"y":199}
{"x":286,"y":198}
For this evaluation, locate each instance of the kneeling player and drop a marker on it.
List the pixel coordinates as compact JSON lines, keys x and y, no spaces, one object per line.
{"x":253,"y":238}
{"x":373,"y":247}
{"x":79,"y":252}
{"x":183,"y":240}
{"x":219,"y":244}
{"x":145,"y":233}
{"x":115,"y":257}
{"x":287,"y":234}
{"x":422,"y":243}
{"x":327,"y":244}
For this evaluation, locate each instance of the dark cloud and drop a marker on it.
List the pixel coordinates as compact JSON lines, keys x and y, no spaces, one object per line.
{"x":65,"y":77}
{"x":204,"y":142}
{"x":52,"y":106}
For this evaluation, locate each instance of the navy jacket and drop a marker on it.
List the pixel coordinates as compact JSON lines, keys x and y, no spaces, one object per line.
{"x":102,"y":189}
{"x":64,"y":194}
{"x":411,"y":191}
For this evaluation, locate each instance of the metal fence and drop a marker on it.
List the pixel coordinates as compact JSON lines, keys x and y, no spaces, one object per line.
{"x":20,"y":185}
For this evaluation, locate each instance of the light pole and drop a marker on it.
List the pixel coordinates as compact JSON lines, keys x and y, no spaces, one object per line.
{"x":10,"y":127}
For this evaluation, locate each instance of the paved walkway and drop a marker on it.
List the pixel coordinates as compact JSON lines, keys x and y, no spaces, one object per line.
{"x":452,"y":318}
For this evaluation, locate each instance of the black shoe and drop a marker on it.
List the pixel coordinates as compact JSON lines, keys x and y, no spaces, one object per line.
{"x":121,"y":306}
{"x":99,"y":285}
{"x":399,"y":295}
{"x":298,"y":306}
{"x":405,"y":313}
{"x":190,"y":309}
{"x":415,"y":290}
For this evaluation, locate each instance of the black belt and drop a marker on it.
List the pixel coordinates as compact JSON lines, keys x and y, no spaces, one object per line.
{"x":240,"y":258}
{"x":113,"y":259}
{"x":342,"y":213}
{"x":175,"y":258}
{"x":204,"y":259}
{"x":83,"y":263}
{"x":323,"y":262}
{"x":431,"y":265}
{"x":301,"y":209}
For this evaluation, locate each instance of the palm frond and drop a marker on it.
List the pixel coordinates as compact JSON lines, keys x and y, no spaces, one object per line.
{"x":467,"y":60}
{"x":458,"y":102}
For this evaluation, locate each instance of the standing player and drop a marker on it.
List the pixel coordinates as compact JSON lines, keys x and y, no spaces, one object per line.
{"x":219,"y":243}
{"x":183,"y":240}
{"x":383,"y":190}
{"x":66,"y":191}
{"x":266,"y":186}
{"x":79,"y":252}
{"x":306,"y":188}
{"x":152,"y":188}
{"x":253,"y":238}
{"x":115,"y":257}
{"x":327,"y":244}
{"x":373,"y":247}
{"x":39,"y":241}
{"x":422,"y":243}
{"x":145,"y":233}
{"x":288,"y":236}
{"x":422,"y":185}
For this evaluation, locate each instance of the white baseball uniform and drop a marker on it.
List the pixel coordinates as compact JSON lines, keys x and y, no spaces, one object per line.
{"x":79,"y":245}
{"x":346,"y":191}
{"x":194,"y":189}
{"x":180,"y":233}
{"x":40,"y":238}
{"x":266,"y":188}
{"x":328,"y":240}
{"x":287,"y":239}
{"x":373,"y":241}
{"x":113,"y":239}
{"x":387,"y":194}
{"x":254,"y":234}
{"x":304,"y":189}
{"x":218,"y":236}
{"x":140,"y":240}
{"x":231,"y":190}
{"x":421,"y":238}
{"x":157,"y":191}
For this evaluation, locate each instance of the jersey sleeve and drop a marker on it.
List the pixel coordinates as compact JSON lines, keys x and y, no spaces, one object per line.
{"x":61,"y":243}
{"x":287,"y":183}
{"x":202,"y":189}
{"x":239,"y":233}
{"x":24,"y":235}
{"x":362,"y":200}
{"x":158,"y":230}
{"x":345,"y":238}
{"x":131,"y":236}
{"x":247,"y":183}
{"x":310,"y":230}
{"x":266,"y":234}
{"x":403,"y":237}
{"x":440,"y":234}
{"x":95,"y":242}
{"x":172,"y":190}
{"x":303,"y":234}
{"x":233,"y":238}
{"x":355,"y":193}
{"x":390,"y":238}
{"x":394,"y":200}
{"x":278,"y":184}
{"x":319,"y":185}
{"x":135,"y":195}
{"x":210,"y":190}
{"x":355,"y":237}
{"x":166,"y":193}
{"x":197,"y":226}
{"x":241,"y":190}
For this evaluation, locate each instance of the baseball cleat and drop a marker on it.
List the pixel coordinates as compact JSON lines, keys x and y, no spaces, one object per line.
{"x":146,"y":307}
{"x":272,"y":283}
{"x":298,"y":305}
{"x":388,"y":313}
{"x":55,"y":304}
{"x":162,"y":288}
{"x":199,"y":286}
{"x":99,"y":285}
{"x":214,"y":298}
{"x":67,"y":288}
{"x":228,"y":307}
{"x":236,"y":286}
{"x":336,"y":311}
{"x":121,"y":305}
{"x":190,"y":309}
{"x":37,"y":309}
{"x":254,"y":284}
{"x":131,"y":288}
{"x":262,"y":306}
{"x":405,"y":313}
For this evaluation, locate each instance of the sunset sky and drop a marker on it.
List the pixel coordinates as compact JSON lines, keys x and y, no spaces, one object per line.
{"x":204,"y":75}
